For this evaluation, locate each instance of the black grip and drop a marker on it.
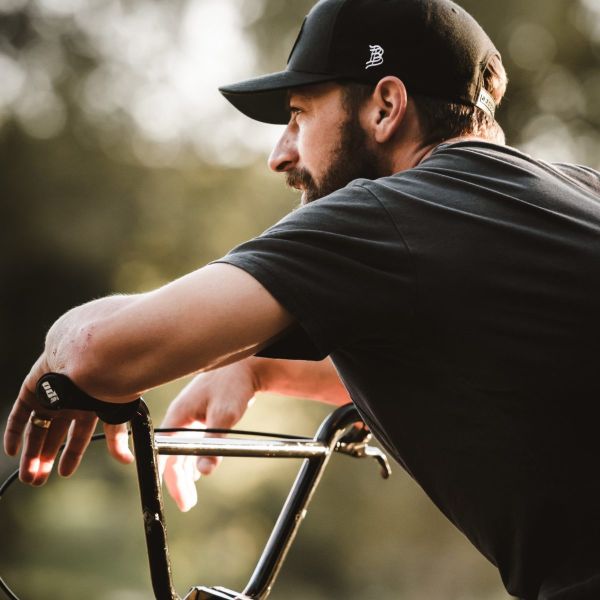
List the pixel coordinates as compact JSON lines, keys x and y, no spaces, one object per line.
{"x":57,"y":392}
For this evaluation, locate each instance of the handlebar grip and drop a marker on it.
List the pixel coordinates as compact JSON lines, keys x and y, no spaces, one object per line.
{"x":57,"y":392}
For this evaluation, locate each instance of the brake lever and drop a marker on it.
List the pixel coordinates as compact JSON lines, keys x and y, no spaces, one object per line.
{"x":356,"y":444}
{"x":382,"y":459}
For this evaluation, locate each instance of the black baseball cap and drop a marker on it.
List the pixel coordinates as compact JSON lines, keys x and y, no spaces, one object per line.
{"x":434,"y":46}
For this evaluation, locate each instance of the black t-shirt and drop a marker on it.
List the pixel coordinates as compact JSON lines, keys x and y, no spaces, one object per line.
{"x":460,"y":302}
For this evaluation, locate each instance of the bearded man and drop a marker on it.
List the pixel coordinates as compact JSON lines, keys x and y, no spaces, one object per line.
{"x":444,"y":282}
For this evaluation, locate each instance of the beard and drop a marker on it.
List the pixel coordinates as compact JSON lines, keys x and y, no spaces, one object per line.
{"x":351,"y":159}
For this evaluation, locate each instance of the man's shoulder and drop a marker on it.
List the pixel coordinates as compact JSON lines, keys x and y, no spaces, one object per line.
{"x":582,"y":175}
{"x":503,"y":157}
{"x":487,"y":167}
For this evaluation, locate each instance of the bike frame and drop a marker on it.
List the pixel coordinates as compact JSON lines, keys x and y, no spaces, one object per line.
{"x":334,"y":435}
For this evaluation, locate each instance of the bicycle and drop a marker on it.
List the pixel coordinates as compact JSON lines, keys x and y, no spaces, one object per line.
{"x":337,"y":433}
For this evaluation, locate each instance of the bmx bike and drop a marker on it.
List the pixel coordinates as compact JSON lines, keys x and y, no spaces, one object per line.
{"x":340,"y":432}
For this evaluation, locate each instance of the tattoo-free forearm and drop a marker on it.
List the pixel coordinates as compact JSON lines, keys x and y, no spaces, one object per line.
{"x":66,"y":338}
{"x":307,"y":379}
{"x":121,"y":346}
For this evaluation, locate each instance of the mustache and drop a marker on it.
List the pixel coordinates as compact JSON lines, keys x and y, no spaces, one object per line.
{"x":300,"y":179}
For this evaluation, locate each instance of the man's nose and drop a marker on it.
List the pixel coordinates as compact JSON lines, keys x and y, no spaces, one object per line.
{"x":284,"y":156}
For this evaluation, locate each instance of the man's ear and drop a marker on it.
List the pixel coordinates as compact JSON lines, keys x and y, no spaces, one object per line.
{"x":388,"y":108}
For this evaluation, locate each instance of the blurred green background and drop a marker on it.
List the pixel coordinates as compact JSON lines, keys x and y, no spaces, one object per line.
{"x":122,"y":168}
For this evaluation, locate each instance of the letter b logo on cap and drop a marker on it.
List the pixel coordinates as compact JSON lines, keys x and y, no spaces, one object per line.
{"x":376,"y":57}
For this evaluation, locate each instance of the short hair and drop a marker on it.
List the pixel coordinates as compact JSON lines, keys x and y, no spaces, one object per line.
{"x":441,"y":120}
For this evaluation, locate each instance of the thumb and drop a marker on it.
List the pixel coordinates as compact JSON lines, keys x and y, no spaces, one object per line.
{"x":207,"y":464}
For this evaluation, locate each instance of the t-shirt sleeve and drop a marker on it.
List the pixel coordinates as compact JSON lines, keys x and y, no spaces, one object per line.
{"x":585,"y":176}
{"x":339,"y":266}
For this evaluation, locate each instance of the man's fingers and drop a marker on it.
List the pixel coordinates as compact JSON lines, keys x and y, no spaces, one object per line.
{"x":15,"y":426}
{"x":183,"y":414}
{"x":26,"y":402}
{"x":30,"y":457}
{"x":36,"y":463}
{"x":190,"y":469}
{"x":162,"y":465}
{"x":179,"y":480}
{"x":207,"y":464}
{"x":117,"y":440}
{"x":55,"y":438}
{"x":80,"y":434}
{"x":179,"y":473}
{"x":219,"y":416}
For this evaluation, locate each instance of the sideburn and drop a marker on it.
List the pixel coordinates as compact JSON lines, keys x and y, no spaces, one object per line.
{"x":352,"y":159}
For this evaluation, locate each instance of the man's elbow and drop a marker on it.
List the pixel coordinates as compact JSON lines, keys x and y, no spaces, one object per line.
{"x":97,"y":369}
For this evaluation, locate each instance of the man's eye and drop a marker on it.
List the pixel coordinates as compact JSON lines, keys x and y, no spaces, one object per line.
{"x":294,"y":110}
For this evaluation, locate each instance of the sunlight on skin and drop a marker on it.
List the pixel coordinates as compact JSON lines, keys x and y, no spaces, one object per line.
{"x":181,"y":472}
{"x":39,"y":470}
{"x":44,"y":468}
{"x":122,"y":445}
{"x":34,"y":465}
{"x":183,"y":488}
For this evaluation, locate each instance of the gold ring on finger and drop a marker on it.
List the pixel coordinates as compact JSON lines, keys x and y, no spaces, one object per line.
{"x":39,"y":422}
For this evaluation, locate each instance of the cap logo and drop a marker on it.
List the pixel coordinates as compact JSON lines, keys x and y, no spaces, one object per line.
{"x":376,"y":57}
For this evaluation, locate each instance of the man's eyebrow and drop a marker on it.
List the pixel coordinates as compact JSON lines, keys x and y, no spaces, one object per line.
{"x":304,"y":94}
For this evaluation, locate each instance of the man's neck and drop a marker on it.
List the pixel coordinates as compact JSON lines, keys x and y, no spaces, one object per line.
{"x":417,"y":153}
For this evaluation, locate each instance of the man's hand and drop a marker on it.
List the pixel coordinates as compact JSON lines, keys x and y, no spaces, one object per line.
{"x":41,"y":444}
{"x":220,"y":398}
{"x":216,"y":399}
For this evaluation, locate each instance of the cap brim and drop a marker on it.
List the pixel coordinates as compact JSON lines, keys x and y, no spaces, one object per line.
{"x":265,"y":98}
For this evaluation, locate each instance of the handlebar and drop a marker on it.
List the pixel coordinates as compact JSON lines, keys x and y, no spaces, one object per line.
{"x":337,"y":433}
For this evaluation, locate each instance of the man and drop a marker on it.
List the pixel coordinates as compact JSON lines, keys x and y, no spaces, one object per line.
{"x":454,"y":288}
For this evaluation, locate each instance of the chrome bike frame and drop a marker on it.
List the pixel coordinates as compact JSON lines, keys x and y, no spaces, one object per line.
{"x":335,"y":434}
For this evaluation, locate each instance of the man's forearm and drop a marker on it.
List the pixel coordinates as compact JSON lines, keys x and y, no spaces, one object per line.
{"x":64,"y":340}
{"x":307,"y":379}
{"x":120,"y":346}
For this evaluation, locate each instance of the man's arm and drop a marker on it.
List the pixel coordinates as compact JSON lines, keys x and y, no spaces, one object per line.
{"x":117,"y":347}
{"x":305,"y":379}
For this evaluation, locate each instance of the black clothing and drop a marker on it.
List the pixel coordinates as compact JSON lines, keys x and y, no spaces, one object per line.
{"x":460,"y":302}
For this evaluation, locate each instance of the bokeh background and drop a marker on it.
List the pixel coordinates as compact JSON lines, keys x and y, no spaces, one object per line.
{"x":121,"y":167}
